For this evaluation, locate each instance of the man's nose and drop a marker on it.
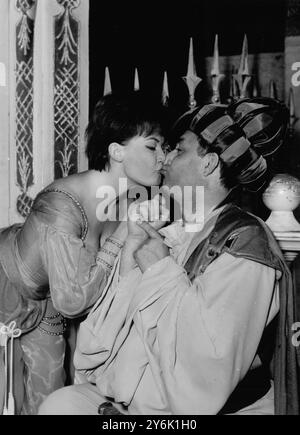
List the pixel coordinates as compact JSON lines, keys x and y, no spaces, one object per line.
{"x":170,"y":157}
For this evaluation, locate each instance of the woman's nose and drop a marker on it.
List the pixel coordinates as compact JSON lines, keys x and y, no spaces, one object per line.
{"x":160,"y":155}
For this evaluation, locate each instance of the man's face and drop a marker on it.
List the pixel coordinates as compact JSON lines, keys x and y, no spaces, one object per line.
{"x":183,"y":165}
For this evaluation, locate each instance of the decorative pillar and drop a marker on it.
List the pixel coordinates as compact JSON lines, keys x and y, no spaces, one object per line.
{"x":66,"y":90}
{"x":48,"y":95}
{"x":21,"y":18}
{"x":4,"y":113}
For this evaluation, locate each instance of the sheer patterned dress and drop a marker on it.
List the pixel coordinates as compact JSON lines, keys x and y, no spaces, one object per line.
{"x":47,"y":273}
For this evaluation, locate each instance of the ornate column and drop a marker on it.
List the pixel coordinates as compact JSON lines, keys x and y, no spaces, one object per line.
{"x":21,"y":18}
{"x":49,"y":95}
{"x":67,"y":96}
{"x":61,"y":87}
{"x":4,"y":113}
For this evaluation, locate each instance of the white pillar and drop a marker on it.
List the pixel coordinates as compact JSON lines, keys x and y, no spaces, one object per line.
{"x":82,"y":14}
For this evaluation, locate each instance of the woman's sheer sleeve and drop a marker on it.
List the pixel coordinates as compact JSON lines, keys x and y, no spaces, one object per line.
{"x":75,"y":279}
{"x":53,"y":251}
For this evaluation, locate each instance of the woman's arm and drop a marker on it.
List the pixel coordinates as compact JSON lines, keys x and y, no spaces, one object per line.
{"x":59,"y":256}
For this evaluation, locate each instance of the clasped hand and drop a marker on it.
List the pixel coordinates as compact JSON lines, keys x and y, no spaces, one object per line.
{"x":146,"y":243}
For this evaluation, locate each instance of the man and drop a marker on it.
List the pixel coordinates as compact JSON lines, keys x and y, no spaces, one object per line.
{"x":184,"y":331}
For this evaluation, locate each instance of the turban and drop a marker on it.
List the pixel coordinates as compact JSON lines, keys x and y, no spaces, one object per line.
{"x":241,"y":134}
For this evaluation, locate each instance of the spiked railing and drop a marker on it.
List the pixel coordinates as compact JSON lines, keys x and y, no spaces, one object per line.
{"x":242,"y":82}
{"x":107,"y":82}
{"x":191,"y":79}
{"x":243,"y":77}
{"x":215,"y":74}
{"x":165,"y":91}
{"x":136,"y":80}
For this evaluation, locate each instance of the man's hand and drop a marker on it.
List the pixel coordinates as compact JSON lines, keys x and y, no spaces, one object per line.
{"x":152,"y":250}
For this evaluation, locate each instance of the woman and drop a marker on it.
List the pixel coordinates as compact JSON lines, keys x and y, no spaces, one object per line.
{"x":50,"y":267}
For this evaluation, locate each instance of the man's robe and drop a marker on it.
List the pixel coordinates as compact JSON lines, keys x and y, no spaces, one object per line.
{"x":179,"y":340}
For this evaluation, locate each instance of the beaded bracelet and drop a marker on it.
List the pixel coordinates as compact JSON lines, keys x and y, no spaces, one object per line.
{"x":53,"y":334}
{"x":62,"y":322}
{"x":105,"y":263}
{"x":110,"y":253}
{"x":115,"y":242}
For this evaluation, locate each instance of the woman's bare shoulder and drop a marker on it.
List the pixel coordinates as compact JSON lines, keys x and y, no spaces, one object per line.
{"x":74,"y":184}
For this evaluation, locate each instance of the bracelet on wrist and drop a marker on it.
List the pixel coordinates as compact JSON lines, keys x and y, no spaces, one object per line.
{"x":109,"y":253}
{"x":114,"y":242}
{"x":104,"y":263}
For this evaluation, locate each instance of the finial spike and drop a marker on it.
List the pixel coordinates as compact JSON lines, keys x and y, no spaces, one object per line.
{"x":231,"y":84}
{"x":243,"y":77}
{"x":216,"y":76}
{"x":216,"y":66}
{"x":107,"y":82}
{"x":136,"y":80}
{"x":255,"y":92}
{"x":292,"y":111}
{"x":191,"y":64}
{"x":273,"y":90}
{"x":244,"y":67}
{"x":291,"y":104}
{"x":236,"y":89}
{"x":191,"y":79}
{"x":165,"y":92}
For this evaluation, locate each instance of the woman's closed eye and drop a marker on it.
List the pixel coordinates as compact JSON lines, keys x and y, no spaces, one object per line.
{"x":152,"y":144}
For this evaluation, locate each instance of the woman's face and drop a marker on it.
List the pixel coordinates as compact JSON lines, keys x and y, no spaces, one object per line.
{"x":143,"y":159}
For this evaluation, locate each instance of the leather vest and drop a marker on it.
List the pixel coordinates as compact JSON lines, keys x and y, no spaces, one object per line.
{"x":240,"y":234}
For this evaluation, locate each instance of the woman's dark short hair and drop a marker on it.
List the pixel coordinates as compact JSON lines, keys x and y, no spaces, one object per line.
{"x":119,"y":117}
